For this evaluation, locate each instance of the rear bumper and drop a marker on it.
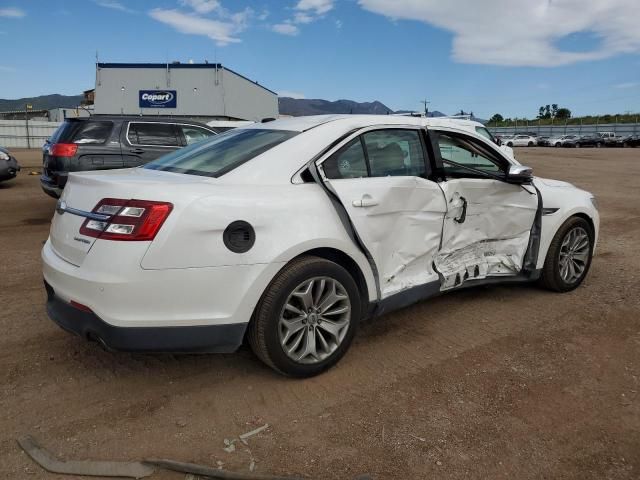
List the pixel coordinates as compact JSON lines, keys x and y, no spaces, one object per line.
{"x":175,"y":339}
{"x":8,"y":169}
{"x":53,"y":187}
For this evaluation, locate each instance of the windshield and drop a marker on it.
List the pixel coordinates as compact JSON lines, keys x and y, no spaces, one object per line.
{"x":221,"y":154}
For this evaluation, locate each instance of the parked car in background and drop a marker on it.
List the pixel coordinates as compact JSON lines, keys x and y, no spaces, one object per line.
{"x":591,"y":140}
{"x":9,"y":167}
{"x":543,"y":141}
{"x":175,"y":256}
{"x":558,"y":141}
{"x":109,"y":142}
{"x":623,"y":141}
{"x":521,"y":141}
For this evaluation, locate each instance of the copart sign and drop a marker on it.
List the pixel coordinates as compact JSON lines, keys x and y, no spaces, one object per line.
{"x":157,"y":99}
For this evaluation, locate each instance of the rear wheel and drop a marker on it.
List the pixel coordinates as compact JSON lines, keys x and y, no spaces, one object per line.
{"x":509,"y":144}
{"x":558,"y":144}
{"x":530,"y":144}
{"x":599,"y":145}
{"x":307,"y":317}
{"x":569,"y":256}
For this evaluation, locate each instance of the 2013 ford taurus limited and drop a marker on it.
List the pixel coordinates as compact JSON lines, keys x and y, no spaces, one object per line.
{"x":289,"y":233}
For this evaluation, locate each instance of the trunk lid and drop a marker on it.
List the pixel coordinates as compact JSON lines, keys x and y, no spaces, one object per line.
{"x":84,"y":190}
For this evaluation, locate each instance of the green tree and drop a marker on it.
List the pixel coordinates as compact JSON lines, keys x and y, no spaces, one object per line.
{"x":547,"y":111}
{"x":563,"y":114}
{"x":541,"y":112}
{"x":497,"y":118}
{"x":554,"y":110}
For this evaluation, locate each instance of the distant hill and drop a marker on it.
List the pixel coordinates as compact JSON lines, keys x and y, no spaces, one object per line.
{"x":43,"y":102}
{"x":302,"y":106}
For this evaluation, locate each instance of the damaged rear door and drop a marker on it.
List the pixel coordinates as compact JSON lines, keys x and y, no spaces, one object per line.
{"x":381,"y":179}
{"x":488,"y":221}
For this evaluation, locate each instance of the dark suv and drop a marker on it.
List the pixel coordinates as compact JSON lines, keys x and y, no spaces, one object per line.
{"x":107,"y":142}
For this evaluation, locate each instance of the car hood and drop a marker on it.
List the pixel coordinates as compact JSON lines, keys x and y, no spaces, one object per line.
{"x":548,"y":182}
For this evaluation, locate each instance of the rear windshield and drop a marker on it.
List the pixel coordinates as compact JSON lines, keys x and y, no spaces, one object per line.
{"x":82,"y":132}
{"x":222,"y":153}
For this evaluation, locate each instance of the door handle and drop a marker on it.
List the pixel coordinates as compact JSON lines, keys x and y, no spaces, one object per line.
{"x":463,"y":215}
{"x":366,"y":201}
{"x":137,"y":150}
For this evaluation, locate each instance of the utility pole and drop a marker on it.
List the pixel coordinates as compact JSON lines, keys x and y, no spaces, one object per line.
{"x":425,"y":102}
{"x":27,"y":107}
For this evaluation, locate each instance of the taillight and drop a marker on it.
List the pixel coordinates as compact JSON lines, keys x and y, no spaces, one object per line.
{"x":134,"y":220}
{"x":63,"y":149}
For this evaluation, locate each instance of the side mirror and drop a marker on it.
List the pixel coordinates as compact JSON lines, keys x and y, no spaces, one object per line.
{"x":519,"y":174}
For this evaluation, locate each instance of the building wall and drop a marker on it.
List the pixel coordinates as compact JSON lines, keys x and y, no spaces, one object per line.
{"x":201,"y":91}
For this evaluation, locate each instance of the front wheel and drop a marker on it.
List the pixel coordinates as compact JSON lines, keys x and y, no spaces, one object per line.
{"x":307,"y":317}
{"x":530,"y":144}
{"x":569,"y":256}
{"x":558,"y":144}
{"x":509,"y":144}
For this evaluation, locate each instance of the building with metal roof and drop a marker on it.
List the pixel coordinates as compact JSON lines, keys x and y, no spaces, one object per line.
{"x":206,"y":91}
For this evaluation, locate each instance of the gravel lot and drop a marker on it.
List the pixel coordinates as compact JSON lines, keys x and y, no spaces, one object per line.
{"x":492,"y":382}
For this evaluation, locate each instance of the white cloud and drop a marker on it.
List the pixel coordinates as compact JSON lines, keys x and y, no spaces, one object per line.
{"x":286,"y":28}
{"x":202,"y":6}
{"x":523,"y":32}
{"x":12,"y":12}
{"x":305,"y":11}
{"x":627,"y":85}
{"x":319,"y":7}
{"x":338,"y":23}
{"x":112,"y":4}
{"x":223,"y":32}
{"x":287,"y":93}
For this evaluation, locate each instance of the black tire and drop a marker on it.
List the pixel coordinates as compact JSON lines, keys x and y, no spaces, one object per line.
{"x":558,"y":144}
{"x":263,"y":332}
{"x":551,"y":278}
{"x":530,"y":144}
{"x":599,"y":145}
{"x":509,"y":144}
{"x":577,"y":145}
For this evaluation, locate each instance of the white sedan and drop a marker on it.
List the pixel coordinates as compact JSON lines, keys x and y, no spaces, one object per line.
{"x":521,"y":141}
{"x":289,"y":233}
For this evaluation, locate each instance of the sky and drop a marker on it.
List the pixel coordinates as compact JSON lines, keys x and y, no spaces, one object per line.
{"x":490,"y":56}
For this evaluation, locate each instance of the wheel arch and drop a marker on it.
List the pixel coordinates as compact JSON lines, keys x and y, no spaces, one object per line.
{"x":350,"y":265}
{"x":556,"y":223}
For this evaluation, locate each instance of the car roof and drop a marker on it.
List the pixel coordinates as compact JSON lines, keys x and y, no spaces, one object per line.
{"x":137,"y":118}
{"x":303,"y":124}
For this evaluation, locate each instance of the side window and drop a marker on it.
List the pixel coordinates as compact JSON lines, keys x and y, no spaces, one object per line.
{"x":485,"y":133}
{"x":93,"y":132}
{"x":193,"y":134}
{"x":161,"y":134}
{"x":348,"y":162}
{"x":464,"y":151}
{"x":395,"y":152}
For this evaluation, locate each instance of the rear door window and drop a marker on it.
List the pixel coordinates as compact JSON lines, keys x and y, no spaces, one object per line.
{"x":160,"y":134}
{"x":82,"y":131}
{"x":380,"y":153}
{"x":93,"y":132}
{"x":193,"y":134}
{"x":348,"y":162}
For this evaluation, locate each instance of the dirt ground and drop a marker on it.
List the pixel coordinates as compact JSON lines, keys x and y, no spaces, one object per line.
{"x":497,"y":382}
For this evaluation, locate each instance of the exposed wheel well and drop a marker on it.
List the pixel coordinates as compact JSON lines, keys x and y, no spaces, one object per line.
{"x":350,"y":265}
{"x":589,"y":221}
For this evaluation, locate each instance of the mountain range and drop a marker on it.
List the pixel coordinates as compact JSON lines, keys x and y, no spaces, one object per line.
{"x":287,"y":105}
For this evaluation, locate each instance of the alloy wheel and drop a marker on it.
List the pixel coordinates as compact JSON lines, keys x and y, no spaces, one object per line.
{"x":574,"y":255}
{"x":314,"y":320}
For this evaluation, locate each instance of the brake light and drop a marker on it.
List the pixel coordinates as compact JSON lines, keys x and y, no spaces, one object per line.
{"x":63,"y":149}
{"x":132,"y":220}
